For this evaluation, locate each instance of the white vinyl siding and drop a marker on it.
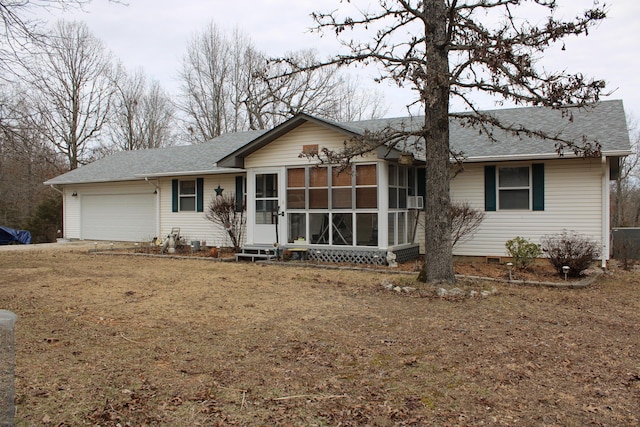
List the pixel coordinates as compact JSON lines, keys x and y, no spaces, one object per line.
{"x":71,"y":215}
{"x":573,"y":198}
{"x":193,"y":225}
{"x":285,"y":151}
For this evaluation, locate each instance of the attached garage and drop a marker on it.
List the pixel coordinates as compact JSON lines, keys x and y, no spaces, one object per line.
{"x":119,"y":217}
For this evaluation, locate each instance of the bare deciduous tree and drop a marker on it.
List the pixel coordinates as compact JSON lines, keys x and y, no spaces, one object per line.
{"x":626,"y":187}
{"x":465,"y":220}
{"x":204,"y":75}
{"x":229,"y":86}
{"x":224,"y":211}
{"x":324,"y":91}
{"x":159,"y":115}
{"x":142,"y":114}
{"x":72,"y":80}
{"x":18,"y":30}
{"x":445,"y":49}
{"x":354,"y":104}
{"x":26,"y":160}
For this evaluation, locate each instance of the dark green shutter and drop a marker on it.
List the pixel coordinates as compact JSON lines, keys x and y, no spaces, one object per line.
{"x":490,"y":188}
{"x":174,"y":195}
{"x":200,"y":194}
{"x":239,"y":193}
{"x":537,"y":172}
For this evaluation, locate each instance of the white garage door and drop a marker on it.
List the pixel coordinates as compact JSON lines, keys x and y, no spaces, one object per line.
{"x":119,"y":217}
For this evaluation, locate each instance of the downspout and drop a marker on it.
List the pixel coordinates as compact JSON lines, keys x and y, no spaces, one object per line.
{"x":57,"y":189}
{"x":157,"y":193}
{"x":605,"y":213}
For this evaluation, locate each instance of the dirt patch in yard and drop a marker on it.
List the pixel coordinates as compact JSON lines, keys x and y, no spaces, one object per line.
{"x":108,"y":340}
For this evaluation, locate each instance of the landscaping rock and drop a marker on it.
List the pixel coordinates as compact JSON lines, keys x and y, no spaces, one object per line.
{"x":387,"y":284}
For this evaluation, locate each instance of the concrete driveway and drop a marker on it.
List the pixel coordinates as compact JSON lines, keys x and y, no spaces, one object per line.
{"x":82,"y":245}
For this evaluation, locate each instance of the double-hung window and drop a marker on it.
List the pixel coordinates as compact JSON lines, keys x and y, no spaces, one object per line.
{"x":514,"y":187}
{"x":188,"y":195}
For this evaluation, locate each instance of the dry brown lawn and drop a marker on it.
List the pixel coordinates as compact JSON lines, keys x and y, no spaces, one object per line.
{"x":134,"y":341}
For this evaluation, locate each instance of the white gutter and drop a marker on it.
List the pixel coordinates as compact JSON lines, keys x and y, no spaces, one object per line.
{"x":605,"y":213}
{"x":96,"y":181}
{"x":542,"y":156}
{"x":187,"y":173}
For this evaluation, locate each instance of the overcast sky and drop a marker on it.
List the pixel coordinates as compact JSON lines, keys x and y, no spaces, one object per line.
{"x":152,"y":34}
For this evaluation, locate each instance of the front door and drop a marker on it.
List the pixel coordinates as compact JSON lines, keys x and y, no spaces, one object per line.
{"x":267,"y":220}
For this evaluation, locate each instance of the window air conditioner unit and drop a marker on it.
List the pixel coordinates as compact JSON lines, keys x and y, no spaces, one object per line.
{"x":415,"y":202}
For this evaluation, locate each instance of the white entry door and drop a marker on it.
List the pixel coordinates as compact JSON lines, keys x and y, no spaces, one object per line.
{"x":267,"y":207}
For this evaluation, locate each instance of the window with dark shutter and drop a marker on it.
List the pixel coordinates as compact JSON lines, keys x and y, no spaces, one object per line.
{"x":514,"y":187}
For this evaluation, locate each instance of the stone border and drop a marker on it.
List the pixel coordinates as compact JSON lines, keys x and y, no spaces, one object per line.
{"x":581,"y":284}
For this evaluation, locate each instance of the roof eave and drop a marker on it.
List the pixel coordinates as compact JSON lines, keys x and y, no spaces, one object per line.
{"x":217,"y":171}
{"x":91,"y":181}
{"x":142,"y":176}
{"x":542,"y":156}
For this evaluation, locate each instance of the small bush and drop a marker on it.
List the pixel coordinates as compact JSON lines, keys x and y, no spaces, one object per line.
{"x":522,"y":251}
{"x":225,"y":211}
{"x":572,"y":249}
{"x":45,"y":222}
{"x":465,"y":220}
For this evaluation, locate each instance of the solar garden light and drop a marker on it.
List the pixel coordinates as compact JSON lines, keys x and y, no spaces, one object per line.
{"x":510,"y":268}
{"x":565,"y":270}
{"x":7,"y":356}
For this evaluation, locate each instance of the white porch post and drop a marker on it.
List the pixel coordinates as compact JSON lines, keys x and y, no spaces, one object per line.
{"x":251,"y":206}
{"x":383,"y":205}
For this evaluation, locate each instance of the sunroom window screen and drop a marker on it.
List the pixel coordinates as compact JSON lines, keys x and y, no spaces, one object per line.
{"x":296,"y":198}
{"x":318,"y":188}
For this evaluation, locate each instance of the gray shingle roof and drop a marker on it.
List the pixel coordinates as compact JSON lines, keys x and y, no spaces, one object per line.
{"x":132,"y":165}
{"x":605,"y":124}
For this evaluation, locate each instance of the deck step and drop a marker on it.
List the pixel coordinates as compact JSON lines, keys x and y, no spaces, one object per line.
{"x":256,"y":252}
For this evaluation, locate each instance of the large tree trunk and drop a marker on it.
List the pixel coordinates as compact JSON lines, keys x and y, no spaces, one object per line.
{"x":438,"y":257}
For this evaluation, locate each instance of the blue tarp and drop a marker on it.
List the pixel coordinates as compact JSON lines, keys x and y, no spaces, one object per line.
{"x":9,"y":236}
